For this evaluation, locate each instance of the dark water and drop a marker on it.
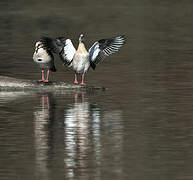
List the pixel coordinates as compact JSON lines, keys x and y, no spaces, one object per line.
{"x":140,"y":128}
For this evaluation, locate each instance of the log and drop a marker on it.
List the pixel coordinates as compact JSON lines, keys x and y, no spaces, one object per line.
{"x":13,"y":84}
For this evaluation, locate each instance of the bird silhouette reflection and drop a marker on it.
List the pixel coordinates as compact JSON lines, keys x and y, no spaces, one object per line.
{"x":82,"y":125}
{"x":44,"y":119}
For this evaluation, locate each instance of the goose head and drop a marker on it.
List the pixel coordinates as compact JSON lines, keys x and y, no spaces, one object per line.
{"x":81,"y":38}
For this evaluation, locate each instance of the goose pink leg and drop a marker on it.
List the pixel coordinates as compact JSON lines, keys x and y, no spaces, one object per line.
{"x":75,"y":79}
{"x":82,"y":82}
{"x":75,"y":97}
{"x":47,"y":75}
{"x":42,"y":80}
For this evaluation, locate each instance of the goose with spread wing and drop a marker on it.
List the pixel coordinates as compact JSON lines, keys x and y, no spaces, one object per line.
{"x":45,"y":59}
{"x":81,"y":59}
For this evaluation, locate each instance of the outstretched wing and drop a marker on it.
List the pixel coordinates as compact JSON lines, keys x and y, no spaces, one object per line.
{"x":105,"y":47}
{"x":67,"y":52}
{"x":61,"y":46}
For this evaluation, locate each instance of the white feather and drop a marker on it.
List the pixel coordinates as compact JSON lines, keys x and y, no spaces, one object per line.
{"x":94,"y":51}
{"x":69,"y":50}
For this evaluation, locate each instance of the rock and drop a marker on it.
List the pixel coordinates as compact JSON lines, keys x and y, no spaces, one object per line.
{"x":13,"y":84}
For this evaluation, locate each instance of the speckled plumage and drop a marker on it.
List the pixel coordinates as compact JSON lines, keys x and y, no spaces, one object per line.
{"x":45,"y":59}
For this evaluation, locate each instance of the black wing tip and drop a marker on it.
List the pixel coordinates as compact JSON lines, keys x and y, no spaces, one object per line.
{"x":65,"y":63}
{"x":109,"y":40}
{"x":45,"y":40}
{"x":93,"y":65}
{"x":50,"y":43}
{"x":61,"y":38}
{"x":123,"y":37}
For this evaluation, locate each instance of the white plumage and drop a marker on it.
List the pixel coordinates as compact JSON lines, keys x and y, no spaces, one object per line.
{"x":69,"y":51}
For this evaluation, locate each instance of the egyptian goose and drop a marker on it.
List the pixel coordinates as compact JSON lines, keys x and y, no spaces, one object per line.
{"x":45,"y":59}
{"x":81,"y":59}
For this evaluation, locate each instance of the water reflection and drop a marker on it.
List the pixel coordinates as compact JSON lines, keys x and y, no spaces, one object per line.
{"x":72,"y":135}
{"x":85,"y":141}
{"x":6,"y":96}
{"x":76,"y":132}
{"x":43,"y":121}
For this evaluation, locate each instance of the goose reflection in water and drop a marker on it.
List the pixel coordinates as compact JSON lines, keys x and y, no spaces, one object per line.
{"x":43,"y":121}
{"x":81,"y":121}
{"x":91,"y":134}
{"x":84,"y":137}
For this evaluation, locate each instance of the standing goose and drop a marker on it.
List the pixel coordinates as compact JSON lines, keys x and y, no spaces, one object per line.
{"x":45,"y":59}
{"x":81,"y":59}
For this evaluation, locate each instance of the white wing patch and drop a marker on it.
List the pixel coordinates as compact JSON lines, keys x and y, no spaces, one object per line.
{"x":69,"y":50}
{"x":94,"y":51}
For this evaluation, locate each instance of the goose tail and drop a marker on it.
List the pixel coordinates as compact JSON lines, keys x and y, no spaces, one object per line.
{"x":53,"y":69}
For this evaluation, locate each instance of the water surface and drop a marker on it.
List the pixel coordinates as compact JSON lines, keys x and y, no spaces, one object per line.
{"x":140,"y":128}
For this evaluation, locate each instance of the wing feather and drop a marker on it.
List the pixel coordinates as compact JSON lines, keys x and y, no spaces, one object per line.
{"x":105,"y":47}
{"x":68,"y":52}
{"x":54,"y":45}
{"x":63,"y":47}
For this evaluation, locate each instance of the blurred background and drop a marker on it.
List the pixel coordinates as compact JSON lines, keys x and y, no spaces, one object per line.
{"x":141,"y":127}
